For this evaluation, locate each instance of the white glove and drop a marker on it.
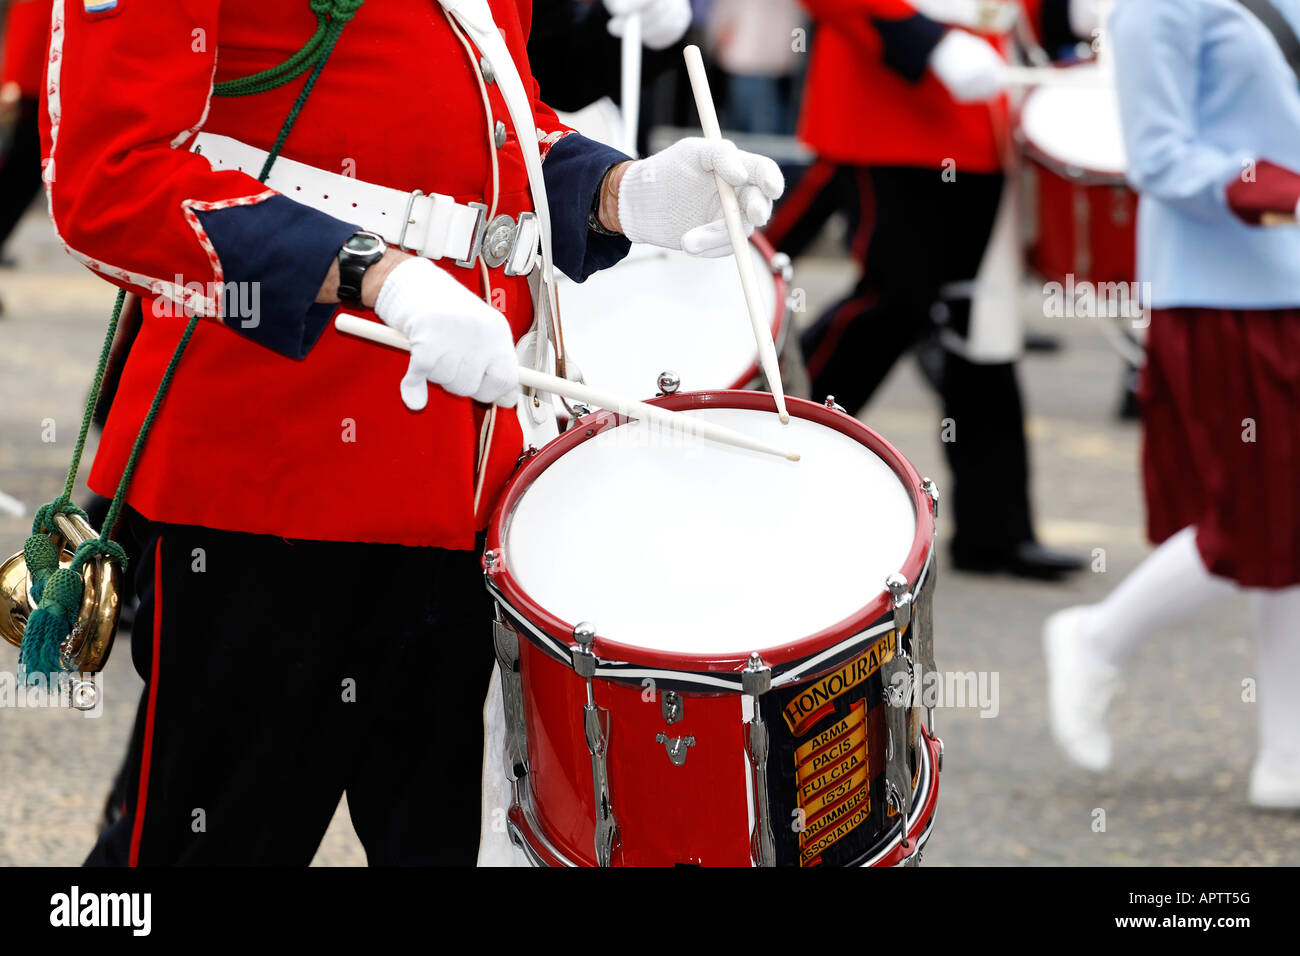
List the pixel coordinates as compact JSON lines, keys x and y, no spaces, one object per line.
{"x":458,"y":341}
{"x":968,"y":66}
{"x":1085,"y":17}
{"x":671,"y":199}
{"x":663,"y":22}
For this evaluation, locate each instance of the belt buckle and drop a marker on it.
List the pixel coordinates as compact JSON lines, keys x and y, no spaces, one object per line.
{"x":498,"y":240}
{"x":476,"y":243}
{"x":500,"y":243}
{"x":526,"y":219}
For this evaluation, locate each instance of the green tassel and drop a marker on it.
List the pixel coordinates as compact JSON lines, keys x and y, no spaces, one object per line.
{"x":50,"y":625}
{"x":42,"y":560}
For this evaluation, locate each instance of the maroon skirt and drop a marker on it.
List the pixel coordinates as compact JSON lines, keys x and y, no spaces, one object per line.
{"x":1221,"y":446}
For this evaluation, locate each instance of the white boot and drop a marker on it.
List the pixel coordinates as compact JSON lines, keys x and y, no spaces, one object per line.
{"x":1080,"y":688}
{"x":1274,"y":788}
{"x":1275,"y":778}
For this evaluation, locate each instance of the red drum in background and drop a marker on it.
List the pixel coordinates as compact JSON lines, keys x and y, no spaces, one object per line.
{"x":1081,"y":212}
{"x":697,"y":670}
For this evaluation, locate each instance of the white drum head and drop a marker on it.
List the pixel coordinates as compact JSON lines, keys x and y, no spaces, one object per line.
{"x":660,"y":310}
{"x":677,"y":544}
{"x":1076,"y":126}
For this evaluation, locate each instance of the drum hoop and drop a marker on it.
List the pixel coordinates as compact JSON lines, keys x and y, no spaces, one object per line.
{"x":721,"y":672}
{"x":1078,"y":175}
{"x":711,"y":681}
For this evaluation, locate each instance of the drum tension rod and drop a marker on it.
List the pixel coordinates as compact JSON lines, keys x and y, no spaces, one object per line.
{"x":597,"y":733}
{"x":898,"y":690}
{"x":756,"y":680}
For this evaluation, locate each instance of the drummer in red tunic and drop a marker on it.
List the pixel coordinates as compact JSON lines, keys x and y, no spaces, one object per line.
{"x":1211,"y":111}
{"x":312,"y":617}
{"x":909,"y":97}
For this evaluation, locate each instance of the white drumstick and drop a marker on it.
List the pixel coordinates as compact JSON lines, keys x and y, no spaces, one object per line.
{"x":1052,"y":76}
{"x":577,"y":392}
{"x":739,"y":241}
{"x":630,"y":98}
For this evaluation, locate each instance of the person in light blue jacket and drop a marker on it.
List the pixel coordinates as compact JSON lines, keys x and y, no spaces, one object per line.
{"x":1210,"y":102}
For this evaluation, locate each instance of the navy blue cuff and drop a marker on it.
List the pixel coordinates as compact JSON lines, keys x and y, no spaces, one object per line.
{"x":909,"y":43}
{"x":1057,"y":32}
{"x":274,"y":256}
{"x":573,"y":171}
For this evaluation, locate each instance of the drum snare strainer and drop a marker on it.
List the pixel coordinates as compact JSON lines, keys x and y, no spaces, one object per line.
{"x":696,"y":659}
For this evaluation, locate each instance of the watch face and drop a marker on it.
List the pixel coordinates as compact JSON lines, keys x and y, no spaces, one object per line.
{"x":363,"y":242}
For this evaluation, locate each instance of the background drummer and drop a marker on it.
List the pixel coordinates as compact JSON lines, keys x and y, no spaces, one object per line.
{"x":1211,"y":113}
{"x":929,"y":178}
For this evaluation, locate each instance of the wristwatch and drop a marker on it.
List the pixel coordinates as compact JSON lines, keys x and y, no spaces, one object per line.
{"x":361,"y":251}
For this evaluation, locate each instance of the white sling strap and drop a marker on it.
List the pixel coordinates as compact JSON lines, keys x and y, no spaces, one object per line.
{"x":475,"y":18}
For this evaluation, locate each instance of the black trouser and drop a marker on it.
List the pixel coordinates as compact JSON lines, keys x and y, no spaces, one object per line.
{"x":20,"y":168}
{"x":822,"y":190}
{"x":280,"y":675}
{"x":928,"y":233}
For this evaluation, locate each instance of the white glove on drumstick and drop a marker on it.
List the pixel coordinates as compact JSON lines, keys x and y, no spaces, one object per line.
{"x":970,"y":67}
{"x":670,"y":199}
{"x":663,"y":22}
{"x":457,"y":340}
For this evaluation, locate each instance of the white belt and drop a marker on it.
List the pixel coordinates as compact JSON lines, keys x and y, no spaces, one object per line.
{"x":433,"y":226}
{"x":984,"y":16}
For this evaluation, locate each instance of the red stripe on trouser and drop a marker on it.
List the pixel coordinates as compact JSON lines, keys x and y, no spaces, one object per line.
{"x":146,"y":751}
{"x":816,"y":362}
{"x":866,"y":216}
{"x":849,"y":310}
{"x":796,"y":204}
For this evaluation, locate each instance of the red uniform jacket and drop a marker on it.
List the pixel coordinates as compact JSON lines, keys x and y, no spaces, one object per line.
{"x":287,"y":427}
{"x":26,"y":39}
{"x":870,"y":100}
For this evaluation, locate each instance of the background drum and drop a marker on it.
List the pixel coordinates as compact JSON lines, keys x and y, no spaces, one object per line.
{"x":660,"y":310}
{"x":1082,"y":217}
{"x":695,"y":669}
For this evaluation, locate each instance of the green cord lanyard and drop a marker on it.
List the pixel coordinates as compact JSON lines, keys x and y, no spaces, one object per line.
{"x":331,"y":17}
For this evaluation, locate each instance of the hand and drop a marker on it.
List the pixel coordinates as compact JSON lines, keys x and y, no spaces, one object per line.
{"x":671,"y":199}
{"x":970,"y":67}
{"x":458,"y":341}
{"x":663,"y":22}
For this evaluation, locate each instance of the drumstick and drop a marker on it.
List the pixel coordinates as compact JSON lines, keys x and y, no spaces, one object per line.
{"x":577,"y":392}
{"x":739,"y":241}
{"x":1052,"y":76}
{"x":630,"y":98}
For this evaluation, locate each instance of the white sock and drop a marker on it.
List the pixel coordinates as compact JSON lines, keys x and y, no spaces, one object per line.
{"x":1277,"y":635}
{"x":1171,"y":583}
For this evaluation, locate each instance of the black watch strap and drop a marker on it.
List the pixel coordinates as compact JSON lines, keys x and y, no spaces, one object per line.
{"x":361,"y":251}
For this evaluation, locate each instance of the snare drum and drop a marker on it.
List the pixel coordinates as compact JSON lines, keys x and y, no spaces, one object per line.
{"x":707,"y":656}
{"x":661,"y":310}
{"x":1082,"y":214}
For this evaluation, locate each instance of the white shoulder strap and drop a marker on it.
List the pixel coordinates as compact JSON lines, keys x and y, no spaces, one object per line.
{"x":475,"y":18}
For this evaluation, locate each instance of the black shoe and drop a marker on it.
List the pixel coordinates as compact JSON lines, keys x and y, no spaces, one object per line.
{"x":1028,"y":559}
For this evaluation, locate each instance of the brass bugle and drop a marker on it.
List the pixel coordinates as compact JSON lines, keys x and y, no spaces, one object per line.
{"x":87,"y":647}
